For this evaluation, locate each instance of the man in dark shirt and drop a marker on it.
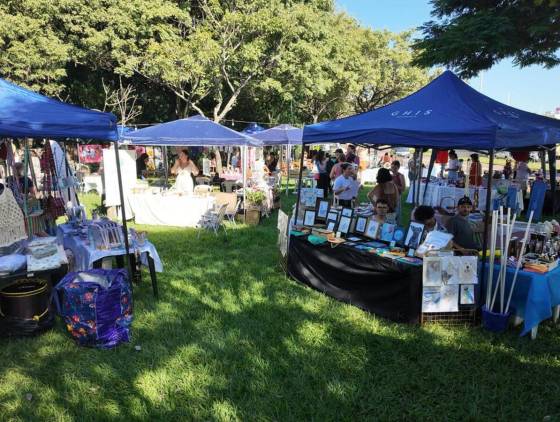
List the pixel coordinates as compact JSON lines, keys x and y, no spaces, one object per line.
{"x":460,"y":227}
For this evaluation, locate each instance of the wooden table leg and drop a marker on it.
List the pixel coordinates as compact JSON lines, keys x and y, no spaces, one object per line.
{"x":153,"y":276}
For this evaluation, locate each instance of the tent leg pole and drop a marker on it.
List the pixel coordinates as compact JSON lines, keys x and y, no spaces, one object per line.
{"x":299,"y":184}
{"x":552,"y":171}
{"x":123,"y":214}
{"x":165,"y":166}
{"x":486,"y":218}
{"x":244,"y":183}
{"x":430,"y":169}
{"x":288,"y":159}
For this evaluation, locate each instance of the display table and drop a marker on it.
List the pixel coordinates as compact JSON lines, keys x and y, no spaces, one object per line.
{"x":384,"y":287}
{"x":534,"y":296}
{"x":435,"y":193}
{"x":87,"y":257}
{"x":169,"y":209}
{"x":232,"y":177}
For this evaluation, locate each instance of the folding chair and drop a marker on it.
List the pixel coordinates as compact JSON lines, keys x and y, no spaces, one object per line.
{"x":213,"y":220}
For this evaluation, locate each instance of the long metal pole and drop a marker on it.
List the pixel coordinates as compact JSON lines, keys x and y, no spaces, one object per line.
{"x":244,"y":182}
{"x":299,"y":184}
{"x":123,"y":213}
{"x":164,"y":158}
{"x":288,"y":160}
{"x":486,"y":217}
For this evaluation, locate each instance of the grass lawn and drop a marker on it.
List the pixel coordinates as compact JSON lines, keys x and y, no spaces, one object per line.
{"x":233,"y":339}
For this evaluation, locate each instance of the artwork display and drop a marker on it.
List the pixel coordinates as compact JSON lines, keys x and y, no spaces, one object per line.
{"x":452,"y":270}
{"x":467,"y":294}
{"x":361,"y":223}
{"x":309,"y":196}
{"x":347,"y":212}
{"x":372,"y":229}
{"x":309,"y":218}
{"x":387,"y":231}
{"x":344,"y":224}
{"x":432,"y":271}
{"x":333,"y":215}
{"x":414,"y":235}
{"x":331,"y":225}
{"x":398,"y":235}
{"x":441,"y":299}
{"x":322,"y":209}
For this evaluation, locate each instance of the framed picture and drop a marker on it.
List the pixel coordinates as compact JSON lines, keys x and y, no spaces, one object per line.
{"x":361,"y":223}
{"x":467,"y":295}
{"x":333,"y":215}
{"x":372,"y":229}
{"x":414,"y":235}
{"x":331,"y":225}
{"x":322,"y":209}
{"x":309,"y":218}
{"x":432,"y":269}
{"x":344,"y":224}
{"x":398,"y":235}
{"x":347,"y":212}
{"x":387,"y":231}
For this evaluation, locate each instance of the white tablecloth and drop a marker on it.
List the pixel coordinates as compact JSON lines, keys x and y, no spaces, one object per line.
{"x":436,"y":193}
{"x":169,"y":209}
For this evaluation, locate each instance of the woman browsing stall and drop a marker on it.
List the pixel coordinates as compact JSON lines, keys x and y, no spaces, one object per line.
{"x":184,"y":168}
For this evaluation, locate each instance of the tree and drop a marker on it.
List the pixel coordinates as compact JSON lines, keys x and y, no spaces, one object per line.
{"x":385,"y":71}
{"x":472,"y":35}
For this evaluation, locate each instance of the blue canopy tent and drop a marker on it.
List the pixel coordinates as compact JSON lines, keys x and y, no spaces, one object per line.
{"x":193,"y":131}
{"x":282,"y":135}
{"x":27,"y":114}
{"x":446,"y":113}
{"x":252,"y":128}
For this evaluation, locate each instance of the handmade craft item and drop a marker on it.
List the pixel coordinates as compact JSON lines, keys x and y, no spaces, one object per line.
{"x":12,"y":226}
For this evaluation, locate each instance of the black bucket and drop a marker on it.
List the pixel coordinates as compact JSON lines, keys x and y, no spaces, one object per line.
{"x":27,"y":299}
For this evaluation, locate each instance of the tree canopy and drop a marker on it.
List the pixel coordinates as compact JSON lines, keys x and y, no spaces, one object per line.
{"x":266,"y":60}
{"x":472,"y":35}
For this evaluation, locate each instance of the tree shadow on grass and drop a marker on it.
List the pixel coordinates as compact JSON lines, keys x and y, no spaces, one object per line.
{"x":233,"y":338}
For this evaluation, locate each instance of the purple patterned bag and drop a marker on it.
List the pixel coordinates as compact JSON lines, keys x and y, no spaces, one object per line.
{"x":96,"y":306}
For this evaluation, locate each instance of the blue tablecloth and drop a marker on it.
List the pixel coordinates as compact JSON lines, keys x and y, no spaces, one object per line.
{"x":534,"y":296}
{"x":85,"y":255}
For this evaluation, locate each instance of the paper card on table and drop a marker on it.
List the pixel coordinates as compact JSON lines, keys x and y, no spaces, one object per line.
{"x":434,"y":241}
{"x":467,"y":294}
{"x":431,"y":275}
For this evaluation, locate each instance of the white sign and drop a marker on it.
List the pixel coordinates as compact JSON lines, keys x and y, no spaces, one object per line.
{"x":282,"y":226}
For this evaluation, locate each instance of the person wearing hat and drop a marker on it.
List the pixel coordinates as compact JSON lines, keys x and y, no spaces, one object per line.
{"x":475,"y":172}
{"x":459,"y":226}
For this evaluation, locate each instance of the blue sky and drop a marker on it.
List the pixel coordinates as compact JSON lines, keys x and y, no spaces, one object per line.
{"x":533,"y":88}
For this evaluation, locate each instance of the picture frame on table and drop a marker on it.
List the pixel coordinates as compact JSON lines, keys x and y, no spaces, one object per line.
{"x":414,"y":235}
{"x":309,"y":218}
{"x":347,"y":212}
{"x":344,"y":224}
{"x":322,"y":209}
{"x":372,"y":229}
{"x":361,"y":224}
{"x":333,"y":215}
{"x":399,"y":235}
{"x":387,"y":231}
{"x":331,"y":225}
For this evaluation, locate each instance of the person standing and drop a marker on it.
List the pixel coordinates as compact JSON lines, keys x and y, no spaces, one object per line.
{"x":398,"y":178}
{"x":320,"y":172}
{"x":351,"y":156}
{"x":522,"y":176}
{"x":385,"y":189}
{"x":452,"y":167}
{"x":185,"y":169}
{"x":475,"y":172}
{"x":343,"y":186}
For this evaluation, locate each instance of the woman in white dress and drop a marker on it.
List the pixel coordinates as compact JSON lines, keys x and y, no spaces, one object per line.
{"x":183,"y":168}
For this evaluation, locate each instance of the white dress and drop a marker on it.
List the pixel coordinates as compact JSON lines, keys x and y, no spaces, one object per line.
{"x":184,"y":182}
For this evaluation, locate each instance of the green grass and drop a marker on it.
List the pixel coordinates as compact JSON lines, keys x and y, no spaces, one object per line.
{"x":233,"y":339}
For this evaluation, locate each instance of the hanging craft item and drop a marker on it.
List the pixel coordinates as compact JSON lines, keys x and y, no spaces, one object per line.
{"x":53,"y":202}
{"x":12,"y":227}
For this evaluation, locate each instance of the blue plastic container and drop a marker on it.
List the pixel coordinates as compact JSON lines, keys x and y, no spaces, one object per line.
{"x":495,"y":321}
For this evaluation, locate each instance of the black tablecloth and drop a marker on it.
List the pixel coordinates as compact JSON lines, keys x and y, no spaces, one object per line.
{"x":384,"y":287}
